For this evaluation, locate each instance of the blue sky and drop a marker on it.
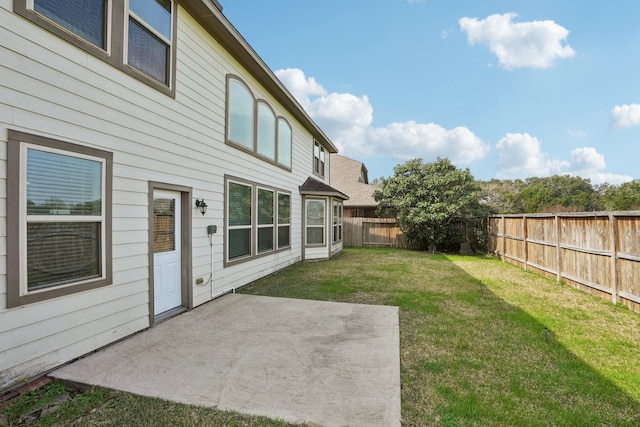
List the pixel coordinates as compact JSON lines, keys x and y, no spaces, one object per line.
{"x":510,"y":89}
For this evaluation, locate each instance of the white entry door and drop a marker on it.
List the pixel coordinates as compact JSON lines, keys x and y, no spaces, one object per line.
{"x":167,"y":257}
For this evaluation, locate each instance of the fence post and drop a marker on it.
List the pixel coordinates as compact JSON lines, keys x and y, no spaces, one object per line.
{"x":558,"y":250}
{"x":504,"y":238}
{"x":613,"y":226}
{"x":524,"y":242}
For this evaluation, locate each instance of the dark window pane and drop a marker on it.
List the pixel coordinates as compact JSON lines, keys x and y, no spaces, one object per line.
{"x":164,"y":225}
{"x":85,"y":18}
{"x":284,"y":209}
{"x":315,"y":235}
{"x":59,"y":253}
{"x":148,"y":53}
{"x":239,"y":243}
{"x":63,"y":185}
{"x":239,"y":204}
{"x":283,"y":236}
{"x":156,"y":13}
{"x":265,"y":207}
{"x":265,"y":239}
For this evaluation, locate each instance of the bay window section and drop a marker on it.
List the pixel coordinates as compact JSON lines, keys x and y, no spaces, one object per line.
{"x":265,"y":220}
{"x":239,"y":210}
{"x":337,"y":221}
{"x":284,"y":220}
{"x":315,"y":213}
{"x":266,"y":131}
{"x":59,"y":216}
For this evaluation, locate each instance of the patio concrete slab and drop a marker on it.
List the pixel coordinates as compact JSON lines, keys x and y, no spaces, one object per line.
{"x":332,"y":364}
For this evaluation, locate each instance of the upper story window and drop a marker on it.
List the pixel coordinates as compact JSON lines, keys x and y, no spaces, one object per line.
{"x":318,"y":159}
{"x":60,"y":205}
{"x":142,"y":44}
{"x":149,"y":37}
{"x":86,"y":19}
{"x":253,"y":126}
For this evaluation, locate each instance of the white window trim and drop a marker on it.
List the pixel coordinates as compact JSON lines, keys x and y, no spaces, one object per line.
{"x":323,"y":226}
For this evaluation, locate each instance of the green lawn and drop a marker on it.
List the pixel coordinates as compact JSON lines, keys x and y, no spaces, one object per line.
{"x":482,"y":343}
{"x":474,"y":350}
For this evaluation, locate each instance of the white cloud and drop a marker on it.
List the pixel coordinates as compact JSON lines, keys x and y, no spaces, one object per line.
{"x":409,"y":140}
{"x":625,"y":116}
{"x":301,"y":88}
{"x":534,"y":44}
{"x":347,"y":119}
{"x":521,"y":156}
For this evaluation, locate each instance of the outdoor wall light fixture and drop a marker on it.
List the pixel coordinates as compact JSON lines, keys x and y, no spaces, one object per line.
{"x":200,"y":204}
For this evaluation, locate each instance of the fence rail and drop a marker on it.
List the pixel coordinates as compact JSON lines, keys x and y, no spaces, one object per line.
{"x":597,"y":252}
{"x":384,"y":232}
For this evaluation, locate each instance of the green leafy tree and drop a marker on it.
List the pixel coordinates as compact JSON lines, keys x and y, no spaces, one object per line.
{"x":426,"y":197}
{"x":623,"y":197}
{"x":502,"y":196}
{"x":558,"y":193}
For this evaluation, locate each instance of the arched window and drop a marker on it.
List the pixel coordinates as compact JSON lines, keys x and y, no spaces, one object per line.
{"x":266,"y":131}
{"x":241,"y":114}
{"x":284,"y":143}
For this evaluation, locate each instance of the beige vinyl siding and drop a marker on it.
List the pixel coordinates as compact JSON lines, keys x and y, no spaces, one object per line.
{"x":72,"y":96}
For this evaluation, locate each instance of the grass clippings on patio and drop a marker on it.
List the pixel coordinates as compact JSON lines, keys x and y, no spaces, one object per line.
{"x":486,"y":343}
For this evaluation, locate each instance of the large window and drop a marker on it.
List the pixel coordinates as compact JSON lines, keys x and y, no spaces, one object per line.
{"x":239,"y":213}
{"x":337,"y":221}
{"x":258,"y":220}
{"x":265,"y":220}
{"x":59,"y":218}
{"x":142,"y":43}
{"x":252,"y":125}
{"x":315,"y":213}
{"x":318,"y":159}
{"x":284,"y":220}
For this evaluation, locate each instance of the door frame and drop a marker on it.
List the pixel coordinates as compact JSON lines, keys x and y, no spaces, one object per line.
{"x":185,"y":245}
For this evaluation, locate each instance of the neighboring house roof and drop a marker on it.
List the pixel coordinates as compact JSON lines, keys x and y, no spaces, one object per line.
{"x":209,"y":14}
{"x":313,"y":187}
{"x":351,"y":178}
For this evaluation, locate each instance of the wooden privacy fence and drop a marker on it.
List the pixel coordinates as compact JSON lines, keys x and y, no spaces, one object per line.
{"x":360,"y":232}
{"x":597,"y":252}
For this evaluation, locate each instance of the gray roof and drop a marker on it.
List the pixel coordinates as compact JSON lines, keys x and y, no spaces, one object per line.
{"x":318,"y":188}
{"x":350,"y":177}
